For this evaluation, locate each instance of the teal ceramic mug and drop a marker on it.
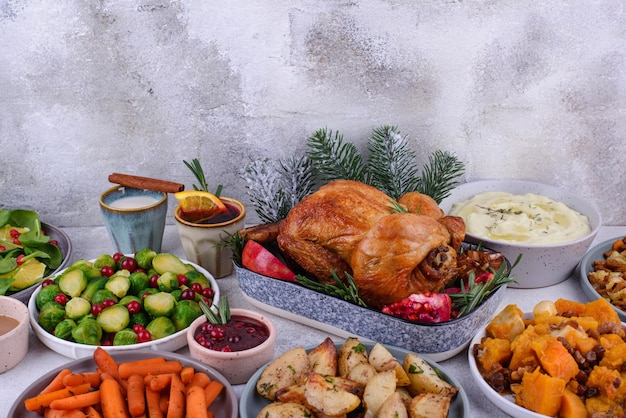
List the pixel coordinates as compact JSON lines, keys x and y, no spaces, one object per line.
{"x":134,"y":218}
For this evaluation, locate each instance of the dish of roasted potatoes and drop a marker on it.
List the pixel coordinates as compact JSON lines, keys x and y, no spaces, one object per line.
{"x":349,"y":379}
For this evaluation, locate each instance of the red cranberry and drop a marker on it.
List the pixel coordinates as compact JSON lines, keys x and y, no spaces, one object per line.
{"x":217,"y":334}
{"x":154,"y":281}
{"x":96,"y":308}
{"x":196,"y":287}
{"x":207,"y":292}
{"x":133,"y":307}
{"x":107,"y":271}
{"x":182,"y":279}
{"x":47,"y":282}
{"x":117,"y":257}
{"x":129,"y":263}
{"x":61,"y":299}
{"x":108,"y":303}
{"x":144,"y":336}
{"x":187,"y":294}
{"x":138,"y":327}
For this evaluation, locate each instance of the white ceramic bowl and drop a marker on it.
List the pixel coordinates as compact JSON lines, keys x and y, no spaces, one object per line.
{"x":541,"y":265}
{"x":236,"y":366}
{"x":65,"y":245}
{"x":13,"y":344}
{"x":75,"y":350}
{"x":586,"y":266}
{"x":225,"y":406}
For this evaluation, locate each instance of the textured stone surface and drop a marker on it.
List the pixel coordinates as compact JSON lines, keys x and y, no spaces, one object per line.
{"x":525,"y":89}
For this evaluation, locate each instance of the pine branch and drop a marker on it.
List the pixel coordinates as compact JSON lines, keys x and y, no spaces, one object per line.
{"x":391,"y":164}
{"x":263,"y":184}
{"x":440,"y":175}
{"x":333,"y":159}
{"x":298,"y":180}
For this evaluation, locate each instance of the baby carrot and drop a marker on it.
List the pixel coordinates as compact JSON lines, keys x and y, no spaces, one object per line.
{"x":212,"y":391}
{"x":63,"y":413}
{"x":112,"y":402}
{"x":45,"y":399}
{"x":91,"y":412}
{"x":176,"y":407}
{"x":105,"y":362}
{"x":200,"y":379}
{"x":57,"y":382}
{"x":136,"y":396}
{"x":152,"y":404}
{"x":75,"y":379}
{"x":158,"y":382}
{"x":144,"y":369}
{"x":186,"y":374}
{"x":196,"y":402}
{"x":77,"y":401}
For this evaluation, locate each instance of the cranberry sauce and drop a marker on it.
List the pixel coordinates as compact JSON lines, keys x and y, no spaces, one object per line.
{"x":240,"y":333}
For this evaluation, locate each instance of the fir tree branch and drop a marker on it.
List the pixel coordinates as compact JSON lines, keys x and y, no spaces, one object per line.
{"x":391,"y":165}
{"x":334,"y":159}
{"x":440,"y":175}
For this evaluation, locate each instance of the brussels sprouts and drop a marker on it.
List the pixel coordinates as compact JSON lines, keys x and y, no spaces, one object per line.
{"x":104,"y":260}
{"x":87,"y":331}
{"x":150,"y":290}
{"x":114,"y":318}
{"x":144,"y":258}
{"x":122,"y":272}
{"x":167,"y":282}
{"x":72,"y":282}
{"x":169,"y":262}
{"x":159,"y":304}
{"x":77,"y":307}
{"x":125,"y":337}
{"x":138,"y":280}
{"x":102,"y":295}
{"x":47,"y":294}
{"x":161,"y":327}
{"x":64,"y":329}
{"x":185,"y":313}
{"x":118,"y":285}
{"x":195,"y":276}
{"x":50,"y":315}
{"x":93,"y":286}
{"x":177,"y":294}
{"x":129,"y":298}
{"x":87,"y":268}
{"x":140,"y":318}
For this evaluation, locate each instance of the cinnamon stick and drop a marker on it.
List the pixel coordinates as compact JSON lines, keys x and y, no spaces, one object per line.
{"x":148,"y":183}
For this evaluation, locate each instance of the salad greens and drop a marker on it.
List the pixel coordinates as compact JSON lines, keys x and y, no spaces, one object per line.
{"x":25,"y":251}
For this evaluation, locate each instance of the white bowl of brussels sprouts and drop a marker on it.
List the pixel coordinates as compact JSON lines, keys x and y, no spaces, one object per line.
{"x":120,"y":302}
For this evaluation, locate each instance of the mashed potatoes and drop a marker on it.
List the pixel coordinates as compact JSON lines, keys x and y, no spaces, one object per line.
{"x":524,"y":219}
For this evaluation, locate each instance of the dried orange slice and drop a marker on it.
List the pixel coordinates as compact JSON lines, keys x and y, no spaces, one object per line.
{"x":198,"y":205}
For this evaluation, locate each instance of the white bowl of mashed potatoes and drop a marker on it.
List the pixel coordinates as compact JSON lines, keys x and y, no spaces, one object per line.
{"x":550,"y":227}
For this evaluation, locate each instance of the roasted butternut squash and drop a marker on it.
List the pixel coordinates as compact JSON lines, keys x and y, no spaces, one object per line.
{"x":507,"y":324}
{"x":493,"y":352}
{"x":554,"y":358}
{"x":602,"y":311}
{"x":572,"y":406}
{"x":523,"y":355}
{"x":570,"y":307}
{"x":540,"y":393}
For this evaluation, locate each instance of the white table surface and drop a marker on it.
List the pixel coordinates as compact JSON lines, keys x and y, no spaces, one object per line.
{"x":88,"y":243}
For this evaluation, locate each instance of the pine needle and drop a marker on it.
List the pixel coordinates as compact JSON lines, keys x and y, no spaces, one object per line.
{"x":440,"y":175}
{"x":334,"y":159}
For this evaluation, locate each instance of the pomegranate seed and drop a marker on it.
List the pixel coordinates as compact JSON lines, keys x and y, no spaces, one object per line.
{"x":14,"y":233}
{"x":20,"y":259}
{"x":2,"y":248}
{"x":16,"y":241}
{"x":54,"y":242}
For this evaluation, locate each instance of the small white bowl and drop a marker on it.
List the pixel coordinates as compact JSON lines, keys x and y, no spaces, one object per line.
{"x":236,"y":366}
{"x":13,"y":344}
{"x":75,"y":350}
{"x":540,"y":265}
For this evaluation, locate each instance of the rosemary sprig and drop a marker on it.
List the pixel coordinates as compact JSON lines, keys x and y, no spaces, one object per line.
{"x":347,"y":291}
{"x":473,"y":294}
{"x":235,"y":243}
{"x":223,"y":312}
{"x":196,"y":169}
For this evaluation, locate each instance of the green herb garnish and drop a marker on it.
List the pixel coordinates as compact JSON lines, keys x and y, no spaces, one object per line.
{"x":223,"y":312}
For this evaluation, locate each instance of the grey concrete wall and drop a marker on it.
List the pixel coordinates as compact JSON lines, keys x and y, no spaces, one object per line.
{"x":517,"y":89}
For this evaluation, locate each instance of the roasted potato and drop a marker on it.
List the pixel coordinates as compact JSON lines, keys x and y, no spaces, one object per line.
{"x":393,"y":407}
{"x":293,"y":393}
{"x":351,"y":353}
{"x":382,"y":360}
{"x":323,"y":358}
{"x":377,"y":390}
{"x":424,"y":378}
{"x":362,"y":373}
{"x":429,"y":405}
{"x":285,"y":410}
{"x":290,"y":368}
{"x":325,"y":396}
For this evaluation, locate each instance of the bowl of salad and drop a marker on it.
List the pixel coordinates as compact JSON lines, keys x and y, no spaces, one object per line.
{"x":30,"y":251}
{"x":120,"y":302}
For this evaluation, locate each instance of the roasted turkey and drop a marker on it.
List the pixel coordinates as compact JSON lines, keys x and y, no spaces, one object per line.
{"x":348,"y":226}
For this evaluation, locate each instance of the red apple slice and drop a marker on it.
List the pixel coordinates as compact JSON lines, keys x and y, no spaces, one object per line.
{"x":257,"y":258}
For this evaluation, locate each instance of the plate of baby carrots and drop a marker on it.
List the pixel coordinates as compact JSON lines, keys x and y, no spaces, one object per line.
{"x":128,"y":384}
